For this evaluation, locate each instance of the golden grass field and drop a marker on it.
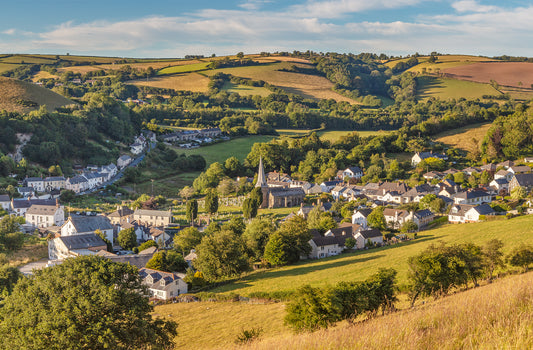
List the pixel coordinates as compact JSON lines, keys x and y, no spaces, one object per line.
{"x":189,"y":81}
{"x":43,"y":75}
{"x":12,"y":90}
{"x":494,"y":316}
{"x":245,"y":90}
{"x":462,"y":138}
{"x":4,"y":67}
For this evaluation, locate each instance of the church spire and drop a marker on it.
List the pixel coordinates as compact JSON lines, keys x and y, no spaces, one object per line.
{"x":261,"y":178}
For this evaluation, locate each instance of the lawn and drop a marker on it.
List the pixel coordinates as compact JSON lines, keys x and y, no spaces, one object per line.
{"x":183,"y":68}
{"x":446,"y":89}
{"x":362,"y":264}
{"x":219,"y":152}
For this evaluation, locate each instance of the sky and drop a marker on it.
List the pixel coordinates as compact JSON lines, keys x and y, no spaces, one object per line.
{"x":165,"y":28}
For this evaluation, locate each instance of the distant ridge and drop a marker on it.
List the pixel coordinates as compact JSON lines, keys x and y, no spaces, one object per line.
{"x":21,"y":96}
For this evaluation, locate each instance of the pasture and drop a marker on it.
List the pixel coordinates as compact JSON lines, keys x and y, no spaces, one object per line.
{"x":335,"y":135}
{"x":4,"y":67}
{"x":187,"y":68}
{"x":361,"y":264}
{"x":462,"y":138}
{"x":447,"y":89}
{"x":245,"y":90}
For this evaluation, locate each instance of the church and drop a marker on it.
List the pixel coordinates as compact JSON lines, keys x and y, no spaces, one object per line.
{"x":277,"y":197}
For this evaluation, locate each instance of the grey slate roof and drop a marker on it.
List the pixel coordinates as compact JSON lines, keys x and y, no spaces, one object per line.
{"x":42,"y":209}
{"x":484,"y":209}
{"x":78,"y":179}
{"x":282,"y":192}
{"x":471,"y":194}
{"x":4,"y":198}
{"x":370,"y":233}
{"x":145,"y":212}
{"x":25,"y":203}
{"x":82,"y":241}
{"x":525,"y":180}
{"x":90,"y":223}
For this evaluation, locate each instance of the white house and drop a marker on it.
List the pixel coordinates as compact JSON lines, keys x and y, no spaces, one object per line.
{"x":473,"y":214}
{"x":353,"y":172}
{"x":457,"y":213}
{"x":163,"y":285}
{"x":79,"y":225}
{"x":396,"y":217}
{"x":45,"y":215}
{"x":77,"y":183}
{"x":500,"y":184}
{"x":153,"y":217}
{"x":136,"y":148}
{"x":20,"y":206}
{"x":322,"y":247}
{"x":363,"y":237}
{"x":124,"y":161}
{"x":474,"y":197}
{"x":504,"y":174}
{"x":359,"y":217}
{"x":36,"y":183}
{"x":71,"y":246}
{"x":420,"y":156}
{"x":423,"y":217}
{"x":54,"y":183}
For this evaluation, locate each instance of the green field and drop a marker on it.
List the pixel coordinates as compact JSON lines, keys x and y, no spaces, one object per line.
{"x":18,"y":59}
{"x":219,"y":152}
{"x":335,"y":135}
{"x":362,"y":264}
{"x":245,"y":90}
{"x":446,"y":89}
{"x":183,"y":68}
{"x":4,"y":67}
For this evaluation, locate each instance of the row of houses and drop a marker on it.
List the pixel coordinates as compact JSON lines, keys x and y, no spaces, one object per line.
{"x":200,"y":135}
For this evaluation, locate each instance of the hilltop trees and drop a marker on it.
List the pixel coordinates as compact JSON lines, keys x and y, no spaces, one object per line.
{"x":86,"y":302}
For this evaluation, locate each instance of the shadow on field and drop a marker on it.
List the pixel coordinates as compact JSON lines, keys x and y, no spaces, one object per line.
{"x":427,"y":84}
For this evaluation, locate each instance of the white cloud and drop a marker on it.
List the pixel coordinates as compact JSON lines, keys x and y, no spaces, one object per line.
{"x":472,"y":6}
{"x":252,"y":5}
{"x":10,"y":31}
{"x":339,"y":8}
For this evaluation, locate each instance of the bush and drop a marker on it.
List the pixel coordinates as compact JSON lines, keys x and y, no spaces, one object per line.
{"x":248,"y":335}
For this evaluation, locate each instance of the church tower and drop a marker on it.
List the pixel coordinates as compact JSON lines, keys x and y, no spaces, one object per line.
{"x":262,"y":183}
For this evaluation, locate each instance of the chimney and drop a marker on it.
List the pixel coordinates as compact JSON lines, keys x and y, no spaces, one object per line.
{"x":57,"y":203}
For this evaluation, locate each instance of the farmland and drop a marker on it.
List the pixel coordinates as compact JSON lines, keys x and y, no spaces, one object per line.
{"x":185,"y":82}
{"x":183,"y":68}
{"x":516,"y":74}
{"x":245,"y":90}
{"x":446,"y":89}
{"x":335,"y":135}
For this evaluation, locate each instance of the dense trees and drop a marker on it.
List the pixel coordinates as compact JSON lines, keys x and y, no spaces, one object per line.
{"x":288,"y":243}
{"x":192,"y":210}
{"x":211,"y":201}
{"x":313,"y":308}
{"x":11,"y":238}
{"x":187,"y":239}
{"x":127,"y":238}
{"x":168,"y":261}
{"x":221,"y":254}
{"x":86,"y":302}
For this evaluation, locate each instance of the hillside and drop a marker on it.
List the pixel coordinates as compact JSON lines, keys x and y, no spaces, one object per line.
{"x":362,"y":264}
{"x":20,"y":96}
{"x":495,"y":316}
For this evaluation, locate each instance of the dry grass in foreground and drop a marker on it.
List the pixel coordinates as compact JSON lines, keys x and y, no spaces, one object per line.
{"x":495,"y":316}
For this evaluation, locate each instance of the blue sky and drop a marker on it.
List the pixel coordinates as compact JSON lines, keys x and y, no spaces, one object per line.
{"x":165,"y":28}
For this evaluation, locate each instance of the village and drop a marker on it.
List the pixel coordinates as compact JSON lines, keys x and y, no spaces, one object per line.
{"x":88,"y":233}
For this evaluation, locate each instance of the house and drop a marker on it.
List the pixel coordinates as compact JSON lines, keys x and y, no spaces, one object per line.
{"x":163,"y":285}
{"x":20,"y":206}
{"x":353,"y":172}
{"x":396,"y":217}
{"x":431,"y":175}
{"x":36,"y":183}
{"x":121,"y":214}
{"x":324,"y":246}
{"x":26,"y":192}
{"x":474,"y":214}
{"x":360,"y":216}
{"x":521,"y":180}
{"x":136,"y":148}
{"x":344,"y":231}
{"x":153,"y":217}
{"x":491,"y":168}
{"x":528,"y":160}
{"x":79,"y":225}
{"x":45,"y":215}
{"x":5,"y":202}
{"x":500,"y":185}
{"x":108,"y":171}
{"x":327,"y":186}
{"x":504,"y":174}
{"x":54,"y":183}
{"x":520,"y":169}
{"x":124,"y":161}
{"x":423,"y":217}
{"x":141,"y":232}
{"x":304,"y":211}
{"x":78,"y":184}
{"x":472,"y":170}
{"x":420,"y":156}
{"x":158,"y":235}
{"x":71,"y":246}
{"x":416,"y":193}
{"x":313,"y":189}
{"x":506,"y":164}
{"x":337,"y":191}
{"x":472,"y":197}
{"x":364,"y":237}
{"x":457,"y":213}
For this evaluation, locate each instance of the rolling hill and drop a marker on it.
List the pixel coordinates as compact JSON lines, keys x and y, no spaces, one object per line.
{"x":20,"y":96}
